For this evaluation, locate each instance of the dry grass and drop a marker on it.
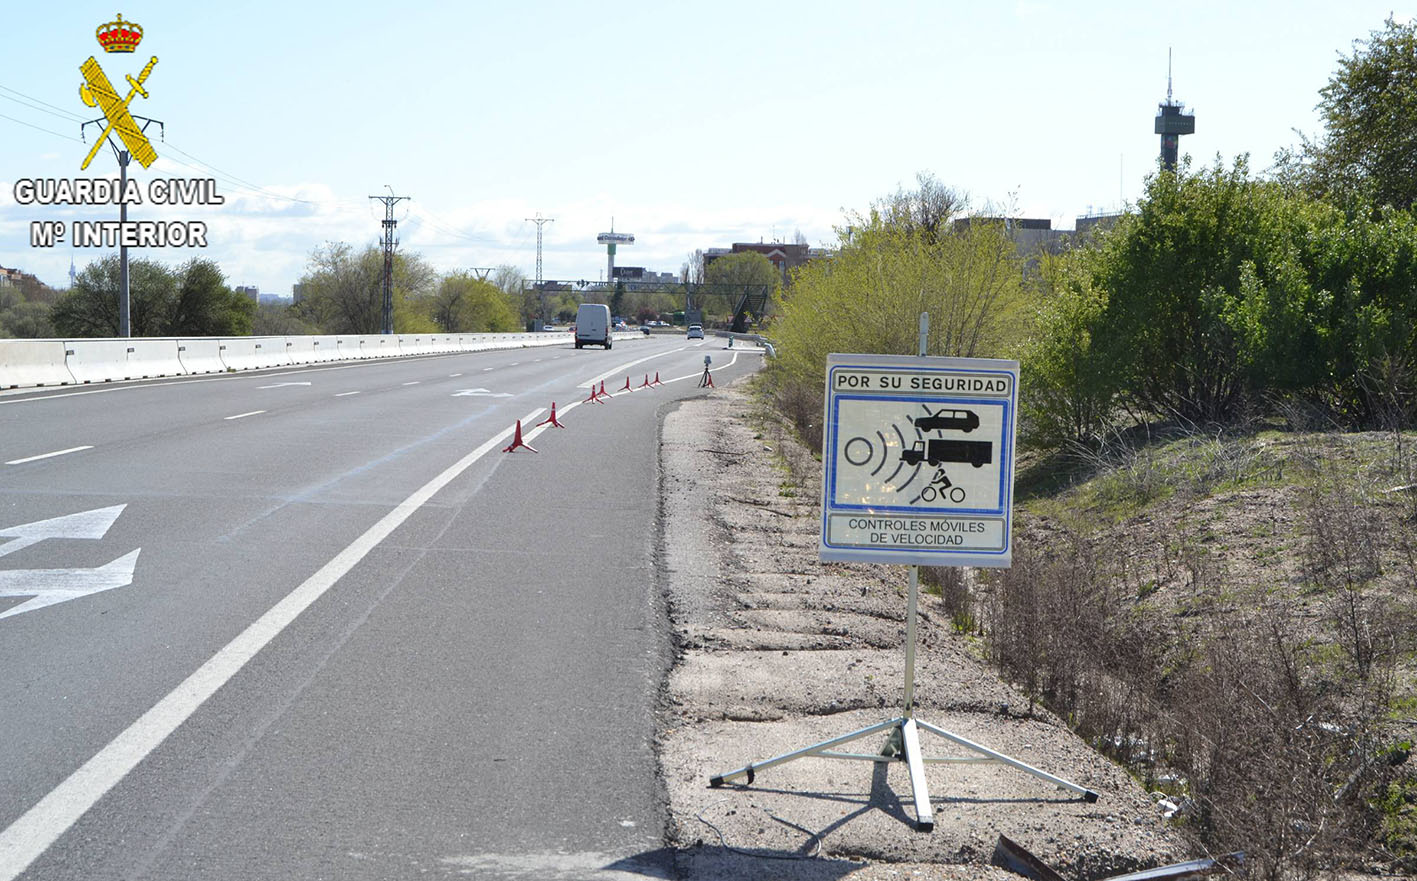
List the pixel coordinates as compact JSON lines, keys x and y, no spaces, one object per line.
{"x":1232,"y":618}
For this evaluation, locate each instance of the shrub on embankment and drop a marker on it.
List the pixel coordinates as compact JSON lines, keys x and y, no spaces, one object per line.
{"x":904,"y":257}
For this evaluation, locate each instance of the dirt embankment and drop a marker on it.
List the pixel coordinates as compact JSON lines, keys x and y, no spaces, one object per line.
{"x":776,"y":651}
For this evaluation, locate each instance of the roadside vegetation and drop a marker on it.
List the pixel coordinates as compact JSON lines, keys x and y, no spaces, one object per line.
{"x":1215,"y":570}
{"x":341,"y":293}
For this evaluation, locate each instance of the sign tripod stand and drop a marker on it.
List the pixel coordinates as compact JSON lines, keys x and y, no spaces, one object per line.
{"x":904,"y":741}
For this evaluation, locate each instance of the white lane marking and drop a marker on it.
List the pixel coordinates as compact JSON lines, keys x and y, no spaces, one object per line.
{"x":85,"y":524}
{"x":415,"y":382}
{"x":281,"y":385}
{"x":49,"y":455}
{"x":700,"y":374}
{"x":46,"y":587}
{"x":345,"y":394}
{"x":244,"y":415}
{"x":614,"y":370}
{"x":479,"y":393}
{"x":485,"y":369}
{"x":454,"y":375}
{"x":39,"y":827}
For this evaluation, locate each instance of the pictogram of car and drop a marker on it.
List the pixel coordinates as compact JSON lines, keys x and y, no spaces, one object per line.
{"x":964,"y":420}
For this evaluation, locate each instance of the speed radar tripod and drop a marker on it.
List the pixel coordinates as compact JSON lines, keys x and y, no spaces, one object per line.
{"x":904,"y":742}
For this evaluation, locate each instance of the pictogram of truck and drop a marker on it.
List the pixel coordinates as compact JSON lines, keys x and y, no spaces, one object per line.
{"x":976,"y":453}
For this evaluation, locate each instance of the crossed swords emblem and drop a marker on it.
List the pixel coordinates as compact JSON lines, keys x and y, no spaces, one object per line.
{"x":98,"y":92}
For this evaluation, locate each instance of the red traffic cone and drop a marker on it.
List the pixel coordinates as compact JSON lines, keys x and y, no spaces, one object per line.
{"x":518,"y":442}
{"x":656,"y":379}
{"x":645,"y":384}
{"x":552,"y":420}
{"x":627,"y":385}
{"x":603,"y":393}
{"x":594,"y":397}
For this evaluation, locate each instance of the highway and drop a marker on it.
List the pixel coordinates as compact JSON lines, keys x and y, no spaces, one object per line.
{"x":314,"y":623}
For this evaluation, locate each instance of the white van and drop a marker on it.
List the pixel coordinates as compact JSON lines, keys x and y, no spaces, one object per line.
{"x":593,"y":325}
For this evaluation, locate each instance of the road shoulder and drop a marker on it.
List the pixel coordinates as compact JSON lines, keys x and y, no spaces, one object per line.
{"x":775,"y":651}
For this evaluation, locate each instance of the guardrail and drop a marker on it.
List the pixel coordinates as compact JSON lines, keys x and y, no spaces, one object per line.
{"x":38,"y":363}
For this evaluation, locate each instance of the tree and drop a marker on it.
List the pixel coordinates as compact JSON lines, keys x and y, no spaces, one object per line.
{"x":1224,"y":291}
{"x":693,"y":269}
{"x":617,"y":300}
{"x":464,"y":304}
{"x":1369,"y":109}
{"x":929,"y":210}
{"x":344,"y":289}
{"x":29,"y":320}
{"x":205,"y":306}
{"x":278,"y":319}
{"x":743,"y":268}
{"x":512,"y":281}
{"x":90,"y":307}
{"x":868,"y":298}
{"x":191,"y":301}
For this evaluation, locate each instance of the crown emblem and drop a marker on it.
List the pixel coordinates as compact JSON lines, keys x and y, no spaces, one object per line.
{"x":119,"y":35}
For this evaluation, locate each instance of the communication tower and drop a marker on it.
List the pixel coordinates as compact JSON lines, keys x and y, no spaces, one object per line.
{"x":1171,"y":122}
{"x":610,"y":240}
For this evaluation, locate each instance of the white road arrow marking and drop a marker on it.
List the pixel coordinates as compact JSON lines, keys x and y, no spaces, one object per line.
{"x":282,"y":385}
{"x":49,"y":586}
{"x":86,"y":524}
{"x":479,"y":393}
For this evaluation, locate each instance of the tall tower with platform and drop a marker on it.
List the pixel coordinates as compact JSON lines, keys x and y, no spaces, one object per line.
{"x":1171,"y":122}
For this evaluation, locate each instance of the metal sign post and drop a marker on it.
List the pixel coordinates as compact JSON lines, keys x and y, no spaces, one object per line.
{"x":918,"y":458}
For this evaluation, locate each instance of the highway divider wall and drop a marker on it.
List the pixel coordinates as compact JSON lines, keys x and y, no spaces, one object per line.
{"x":200,"y":355}
{"x":33,"y":363}
{"x":36,"y":363}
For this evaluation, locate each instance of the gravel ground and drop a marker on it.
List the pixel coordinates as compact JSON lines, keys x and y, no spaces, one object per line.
{"x":776,"y":650}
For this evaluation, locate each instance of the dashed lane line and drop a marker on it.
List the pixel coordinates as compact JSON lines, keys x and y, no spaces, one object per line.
{"x":48,"y":455}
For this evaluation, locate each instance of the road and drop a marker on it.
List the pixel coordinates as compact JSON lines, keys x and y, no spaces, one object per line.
{"x":314,"y":623}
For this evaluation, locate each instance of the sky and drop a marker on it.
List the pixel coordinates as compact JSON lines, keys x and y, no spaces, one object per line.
{"x":690,"y":126}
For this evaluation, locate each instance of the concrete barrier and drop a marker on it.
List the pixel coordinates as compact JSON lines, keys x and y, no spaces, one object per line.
{"x":324,"y":349}
{"x":348,"y":348}
{"x":378,"y":345}
{"x":410,"y":344}
{"x":32,"y":363}
{"x":249,"y":353}
{"x":57,"y":362}
{"x":300,"y":349}
{"x":97,"y":360}
{"x":150,"y":358}
{"x":200,"y":355}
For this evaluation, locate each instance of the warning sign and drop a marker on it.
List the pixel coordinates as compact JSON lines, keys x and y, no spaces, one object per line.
{"x":918,"y":458}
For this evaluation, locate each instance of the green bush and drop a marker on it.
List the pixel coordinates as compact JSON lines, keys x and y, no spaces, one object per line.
{"x":869,"y":296}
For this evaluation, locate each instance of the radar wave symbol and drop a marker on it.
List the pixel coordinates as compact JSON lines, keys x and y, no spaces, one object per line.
{"x":875,"y":453}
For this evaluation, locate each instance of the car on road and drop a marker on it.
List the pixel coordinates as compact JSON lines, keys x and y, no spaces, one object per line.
{"x":644,"y":329}
{"x":696,"y":332}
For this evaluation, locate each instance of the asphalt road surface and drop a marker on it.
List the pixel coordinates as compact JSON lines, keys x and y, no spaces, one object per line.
{"x":314,"y":623}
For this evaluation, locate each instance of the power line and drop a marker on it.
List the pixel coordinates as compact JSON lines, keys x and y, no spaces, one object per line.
{"x":389,"y":243}
{"x":53,"y":111}
{"x":38,"y":128}
{"x":539,"y":221}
